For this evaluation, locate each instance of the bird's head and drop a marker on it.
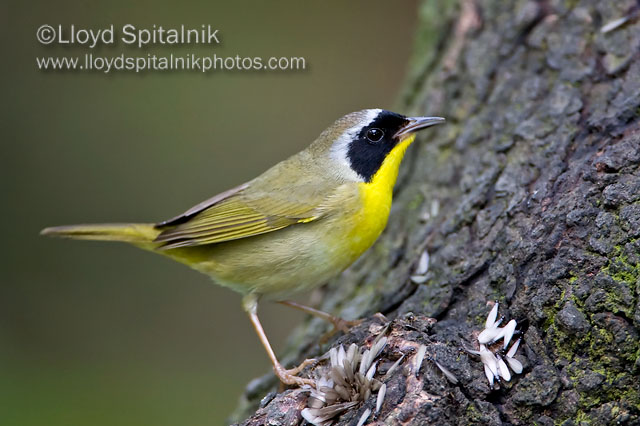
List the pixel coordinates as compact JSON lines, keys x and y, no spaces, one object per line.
{"x":365,"y":144}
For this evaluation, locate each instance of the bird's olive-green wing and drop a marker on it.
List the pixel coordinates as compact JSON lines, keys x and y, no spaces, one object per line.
{"x":236,"y":214}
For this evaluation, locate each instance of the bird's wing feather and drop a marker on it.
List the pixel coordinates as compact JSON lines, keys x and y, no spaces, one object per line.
{"x":287,"y":194}
{"x":238,"y":215}
{"x":235,"y":218}
{"x":184,"y":217}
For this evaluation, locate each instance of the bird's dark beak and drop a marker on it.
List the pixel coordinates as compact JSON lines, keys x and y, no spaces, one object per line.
{"x":417,"y":123}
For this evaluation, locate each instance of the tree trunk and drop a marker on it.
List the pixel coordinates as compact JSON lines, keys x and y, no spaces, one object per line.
{"x":528,"y":195}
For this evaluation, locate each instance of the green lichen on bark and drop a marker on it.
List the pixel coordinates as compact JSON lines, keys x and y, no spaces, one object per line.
{"x":530,"y":195}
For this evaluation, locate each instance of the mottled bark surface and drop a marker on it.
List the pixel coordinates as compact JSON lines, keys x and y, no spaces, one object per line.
{"x":529,"y":195}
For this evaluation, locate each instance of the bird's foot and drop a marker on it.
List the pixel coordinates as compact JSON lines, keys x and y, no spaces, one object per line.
{"x":343,"y":325}
{"x":290,"y":377}
{"x":339,"y":324}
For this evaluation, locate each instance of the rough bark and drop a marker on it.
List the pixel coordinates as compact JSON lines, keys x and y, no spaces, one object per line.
{"x":529,"y":195}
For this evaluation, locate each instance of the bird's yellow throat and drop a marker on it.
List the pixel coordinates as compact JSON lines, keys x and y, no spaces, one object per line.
{"x":386,"y":176}
{"x":376,"y":200}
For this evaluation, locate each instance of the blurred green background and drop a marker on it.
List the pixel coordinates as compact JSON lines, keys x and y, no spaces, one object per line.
{"x":105,"y":334}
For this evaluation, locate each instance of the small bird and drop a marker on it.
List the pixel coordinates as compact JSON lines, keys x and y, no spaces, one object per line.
{"x":292,"y":228}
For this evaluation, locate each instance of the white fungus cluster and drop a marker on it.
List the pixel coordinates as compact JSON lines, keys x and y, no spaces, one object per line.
{"x":347,"y":382}
{"x":350,"y":380}
{"x":495,"y":363}
{"x":420,"y":275}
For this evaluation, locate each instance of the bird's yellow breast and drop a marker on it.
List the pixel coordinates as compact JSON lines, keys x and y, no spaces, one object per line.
{"x":376,"y":197}
{"x":300,"y":257}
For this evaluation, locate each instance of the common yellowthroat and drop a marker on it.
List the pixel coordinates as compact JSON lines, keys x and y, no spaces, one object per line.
{"x":292,"y":228}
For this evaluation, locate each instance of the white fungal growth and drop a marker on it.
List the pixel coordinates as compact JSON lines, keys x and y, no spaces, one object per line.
{"x":394,"y":367}
{"x":435,"y":207}
{"x":309,"y":416}
{"x":513,"y":349}
{"x":423,"y":263}
{"x":323,"y":416}
{"x":352,"y":352}
{"x":503,"y":370}
{"x":491,"y":332}
{"x":381,"y":394}
{"x":448,"y":374}
{"x":495,"y":365}
{"x":370,"y":354}
{"x":420,"y":274}
{"x":433,"y":211}
{"x":489,"y":359}
{"x":490,"y":335}
{"x":346,"y":383}
{"x":342,"y":355}
{"x":509,"y":329}
{"x":490,"y":365}
{"x":614,"y":24}
{"x":422,"y":350}
{"x":491,"y":318}
{"x":364,"y":417}
{"x":371,"y":372}
{"x":419,"y":279}
{"x":489,"y":374}
{"x":333,"y":356}
{"x":378,"y":346}
{"x":515,"y":365}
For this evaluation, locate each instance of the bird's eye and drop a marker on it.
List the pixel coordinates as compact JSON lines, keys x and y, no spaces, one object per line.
{"x":374,"y":135}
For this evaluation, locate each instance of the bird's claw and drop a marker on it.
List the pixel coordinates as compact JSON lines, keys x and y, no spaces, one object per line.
{"x":290,"y":377}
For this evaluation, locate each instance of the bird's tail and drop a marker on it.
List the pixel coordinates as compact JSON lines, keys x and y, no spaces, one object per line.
{"x":135,"y":233}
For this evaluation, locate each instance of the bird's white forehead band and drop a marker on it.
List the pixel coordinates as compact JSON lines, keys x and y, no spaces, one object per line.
{"x":340,"y":148}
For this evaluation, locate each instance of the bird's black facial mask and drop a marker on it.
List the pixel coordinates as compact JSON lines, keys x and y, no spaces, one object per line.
{"x":374,"y":142}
